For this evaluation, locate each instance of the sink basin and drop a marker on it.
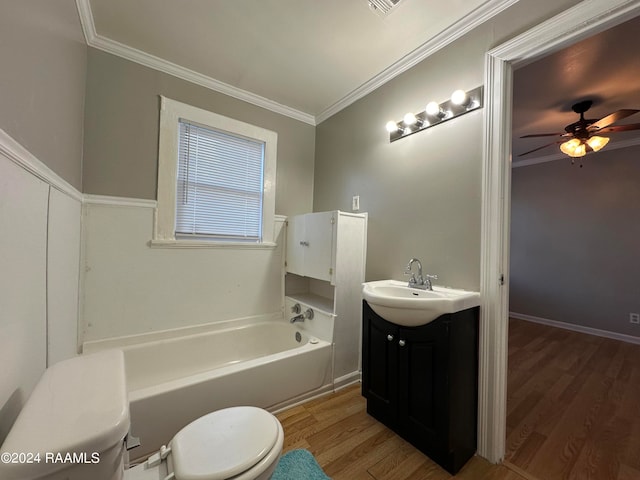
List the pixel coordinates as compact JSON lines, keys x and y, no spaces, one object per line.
{"x":410,"y":307}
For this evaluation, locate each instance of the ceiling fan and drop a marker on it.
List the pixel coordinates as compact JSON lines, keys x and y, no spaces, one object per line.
{"x":581,"y":135}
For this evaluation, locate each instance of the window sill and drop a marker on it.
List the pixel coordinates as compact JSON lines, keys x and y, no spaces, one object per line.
{"x":211,"y":244}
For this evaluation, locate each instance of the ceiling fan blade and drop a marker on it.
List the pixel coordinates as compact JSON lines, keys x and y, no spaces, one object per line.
{"x":620,"y":128}
{"x":539,"y":148}
{"x":612,"y":118}
{"x":544,"y":135}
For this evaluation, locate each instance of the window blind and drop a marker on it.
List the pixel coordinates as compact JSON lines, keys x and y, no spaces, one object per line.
{"x":220,"y":184}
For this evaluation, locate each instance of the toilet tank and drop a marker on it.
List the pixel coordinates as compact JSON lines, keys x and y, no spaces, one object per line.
{"x":73,"y":424}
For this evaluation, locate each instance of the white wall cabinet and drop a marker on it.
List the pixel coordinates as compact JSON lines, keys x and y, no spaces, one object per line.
{"x":325,"y":265}
{"x":310,"y":240}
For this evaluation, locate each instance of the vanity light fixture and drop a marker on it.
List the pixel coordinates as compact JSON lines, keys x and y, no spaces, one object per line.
{"x":461,"y":102}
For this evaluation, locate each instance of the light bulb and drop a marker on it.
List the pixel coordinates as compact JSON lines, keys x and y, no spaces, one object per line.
{"x":433,"y":109}
{"x":460,"y":97}
{"x":409,"y":119}
{"x":391,"y":126}
{"x":597,"y":143}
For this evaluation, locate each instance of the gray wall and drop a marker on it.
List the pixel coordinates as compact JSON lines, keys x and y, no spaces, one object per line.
{"x":574,"y":240}
{"x":43,"y":58}
{"x":422,"y":193}
{"x":121,"y":132}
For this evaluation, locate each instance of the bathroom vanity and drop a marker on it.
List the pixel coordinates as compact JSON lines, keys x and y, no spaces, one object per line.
{"x":421,"y":382}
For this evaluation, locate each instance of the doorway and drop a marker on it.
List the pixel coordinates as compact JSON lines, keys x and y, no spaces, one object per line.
{"x":577,"y":23}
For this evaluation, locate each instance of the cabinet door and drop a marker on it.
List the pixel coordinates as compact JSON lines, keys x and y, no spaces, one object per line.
{"x":379,"y":366}
{"x":294,"y":254}
{"x":423,"y":393}
{"x":319,"y":240}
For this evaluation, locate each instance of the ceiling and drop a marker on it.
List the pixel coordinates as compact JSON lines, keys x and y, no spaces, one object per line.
{"x":604,"y":68}
{"x":311,"y":57}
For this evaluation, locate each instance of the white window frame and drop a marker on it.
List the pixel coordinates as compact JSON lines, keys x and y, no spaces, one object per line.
{"x":171,"y":111}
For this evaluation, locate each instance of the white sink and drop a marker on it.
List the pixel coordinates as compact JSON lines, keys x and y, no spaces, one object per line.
{"x":410,"y":307}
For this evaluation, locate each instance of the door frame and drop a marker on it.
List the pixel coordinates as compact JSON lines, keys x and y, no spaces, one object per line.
{"x":577,"y":23}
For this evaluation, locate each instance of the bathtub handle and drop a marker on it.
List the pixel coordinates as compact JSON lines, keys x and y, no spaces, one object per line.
{"x":308,"y":314}
{"x":390,"y":337}
{"x":296,"y":308}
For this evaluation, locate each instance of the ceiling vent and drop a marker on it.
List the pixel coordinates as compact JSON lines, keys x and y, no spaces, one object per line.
{"x":382,"y":7}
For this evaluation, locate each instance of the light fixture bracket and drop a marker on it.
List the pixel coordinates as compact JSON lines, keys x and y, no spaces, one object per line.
{"x":425,"y":121}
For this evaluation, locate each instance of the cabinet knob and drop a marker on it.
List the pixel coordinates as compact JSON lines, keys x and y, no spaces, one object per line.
{"x":402,"y":343}
{"x":390,"y":337}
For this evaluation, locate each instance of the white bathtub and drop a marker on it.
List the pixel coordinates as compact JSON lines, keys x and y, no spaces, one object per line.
{"x":173,"y":381}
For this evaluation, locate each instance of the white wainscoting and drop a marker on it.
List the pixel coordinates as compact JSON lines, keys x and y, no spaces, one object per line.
{"x":130,"y":287}
{"x":23,"y":302}
{"x":63,"y":270}
{"x":39,"y":271}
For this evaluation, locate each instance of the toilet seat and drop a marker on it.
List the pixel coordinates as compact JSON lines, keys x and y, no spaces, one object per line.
{"x":225,"y":444}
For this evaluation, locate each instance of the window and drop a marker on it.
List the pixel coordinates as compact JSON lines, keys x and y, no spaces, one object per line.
{"x":216,"y":179}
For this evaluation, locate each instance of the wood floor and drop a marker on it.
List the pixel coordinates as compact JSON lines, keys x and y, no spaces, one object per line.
{"x":573,"y":404}
{"x":351,"y":445}
{"x":573,"y":414}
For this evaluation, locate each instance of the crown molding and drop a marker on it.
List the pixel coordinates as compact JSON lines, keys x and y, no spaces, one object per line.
{"x":444,"y":38}
{"x":95,"y":40}
{"x":632,"y":142}
{"x":467,"y":23}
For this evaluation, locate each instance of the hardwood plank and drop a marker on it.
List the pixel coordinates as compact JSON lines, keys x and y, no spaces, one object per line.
{"x":350,"y":445}
{"x":573,"y":404}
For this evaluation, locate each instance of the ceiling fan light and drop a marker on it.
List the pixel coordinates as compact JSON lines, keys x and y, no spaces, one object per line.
{"x":597,"y":143}
{"x":569,"y":147}
{"x":580,"y":151}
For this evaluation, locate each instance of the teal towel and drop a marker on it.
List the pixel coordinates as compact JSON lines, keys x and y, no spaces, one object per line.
{"x":298,"y":465}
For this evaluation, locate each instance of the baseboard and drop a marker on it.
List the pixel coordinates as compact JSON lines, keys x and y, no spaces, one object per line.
{"x":577,"y":328}
{"x":346,"y":380}
{"x":338,"y":384}
{"x":300,"y":399}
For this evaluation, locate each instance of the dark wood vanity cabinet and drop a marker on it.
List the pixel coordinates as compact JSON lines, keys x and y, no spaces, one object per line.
{"x":422,"y":382}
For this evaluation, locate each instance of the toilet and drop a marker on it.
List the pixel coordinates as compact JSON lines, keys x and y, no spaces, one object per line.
{"x":75,"y":426}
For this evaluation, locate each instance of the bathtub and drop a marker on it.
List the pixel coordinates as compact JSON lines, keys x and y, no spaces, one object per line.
{"x":173,"y":381}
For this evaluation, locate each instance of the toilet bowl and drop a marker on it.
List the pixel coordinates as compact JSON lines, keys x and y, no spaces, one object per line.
{"x":75,"y":426}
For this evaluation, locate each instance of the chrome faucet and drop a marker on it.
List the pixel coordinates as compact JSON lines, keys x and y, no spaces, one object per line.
{"x":301,"y":316}
{"x":423,"y":282}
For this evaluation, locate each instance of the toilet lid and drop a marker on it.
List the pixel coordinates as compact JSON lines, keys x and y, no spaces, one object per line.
{"x":223,"y":444}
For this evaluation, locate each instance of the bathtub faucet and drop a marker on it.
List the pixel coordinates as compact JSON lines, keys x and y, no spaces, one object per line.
{"x":302,"y":316}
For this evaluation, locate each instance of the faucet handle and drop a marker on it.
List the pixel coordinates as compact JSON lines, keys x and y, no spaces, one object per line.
{"x":413,"y":279}
{"x":432,"y":277}
{"x":296,"y":308}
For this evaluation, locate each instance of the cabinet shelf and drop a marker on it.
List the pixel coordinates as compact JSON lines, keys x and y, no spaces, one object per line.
{"x":314,"y":301}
